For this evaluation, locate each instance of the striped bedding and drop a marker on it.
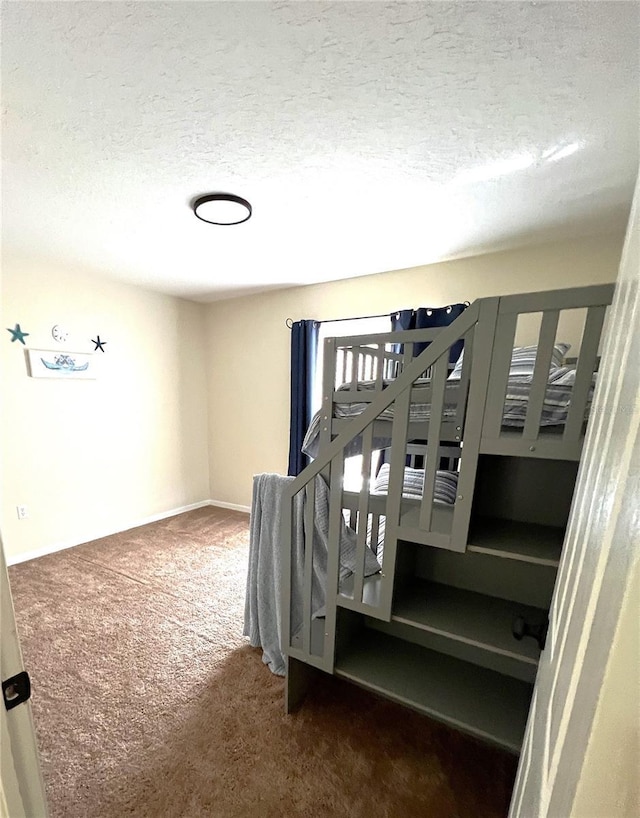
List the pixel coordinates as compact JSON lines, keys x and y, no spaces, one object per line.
{"x":555,"y":409}
{"x":413,"y":483}
{"x":523,"y":361}
{"x":444,"y":493}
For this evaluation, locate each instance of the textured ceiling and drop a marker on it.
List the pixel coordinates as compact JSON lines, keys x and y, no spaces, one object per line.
{"x":368,"y":136}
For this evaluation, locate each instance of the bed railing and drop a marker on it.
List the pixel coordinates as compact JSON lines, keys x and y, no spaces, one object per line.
{"x":356,"y":370}
{"x":464,"y":419}
{"x":549,"y":428}
{"x":356,"y":358}
{"x":313,"y":640}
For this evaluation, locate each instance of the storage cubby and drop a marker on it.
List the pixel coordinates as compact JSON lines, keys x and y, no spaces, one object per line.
{"x":466,"y":605}
{"x":476,"y":655}
{"x":510,"y":579}
{"x":481,"y":701}
{"x":520,"y":508}
{"x":523,"y":489}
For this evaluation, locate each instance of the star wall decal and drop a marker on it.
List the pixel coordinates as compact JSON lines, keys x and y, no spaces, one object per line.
{"x":18,"y":334}
{"x":99,"y":344}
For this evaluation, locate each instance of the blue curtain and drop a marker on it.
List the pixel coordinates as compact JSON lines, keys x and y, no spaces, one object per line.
{"x":304,"y":340}
{"x":427,"y":318}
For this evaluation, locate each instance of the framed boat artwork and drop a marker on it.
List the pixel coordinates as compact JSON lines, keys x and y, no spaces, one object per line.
{"x":47,"y":363}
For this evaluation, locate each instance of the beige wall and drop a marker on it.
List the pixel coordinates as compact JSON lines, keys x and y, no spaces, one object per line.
{"x":93,"y":457}
{"x":248,"y":342}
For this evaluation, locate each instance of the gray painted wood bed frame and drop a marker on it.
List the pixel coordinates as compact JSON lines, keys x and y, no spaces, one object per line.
{"x":435,"y":628}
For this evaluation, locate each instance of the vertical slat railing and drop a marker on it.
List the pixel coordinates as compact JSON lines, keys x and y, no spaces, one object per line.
{"x":540,"y":380}
{"x":399,"y":433}
{"x":396,"y":478}
{"x":439,"y":372}
{"x":307,"y":582}
{"x":375,"y":529}
{"x":333,"y":558}
{"x":483,"y":342}
{"x":502,"y":352}
{"x":584,"y":372}
{"x":353,"y":372}
{"x":379,"y":376}
{"x":463,"y":387}
{"x":408,"y":356}
{"x":350,"y":377}
{"x":329,"y":363}
{"x":390,"y":364}
{"x":363,"y":511}
{"x":343,"y":368}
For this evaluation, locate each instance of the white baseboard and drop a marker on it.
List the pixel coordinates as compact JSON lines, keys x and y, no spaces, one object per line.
{"x":231,"y":506}
{"x":61,"y":546}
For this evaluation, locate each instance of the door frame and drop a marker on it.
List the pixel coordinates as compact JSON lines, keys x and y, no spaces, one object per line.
{"x":22,"y":793}
{"x":599,"y":558}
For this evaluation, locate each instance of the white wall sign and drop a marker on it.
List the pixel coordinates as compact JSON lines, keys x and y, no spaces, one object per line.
{"x":46,"y":363}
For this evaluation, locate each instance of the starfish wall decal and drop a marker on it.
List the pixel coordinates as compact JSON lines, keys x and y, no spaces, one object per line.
{"x":18,"y":334}
{"x":99,"y":344}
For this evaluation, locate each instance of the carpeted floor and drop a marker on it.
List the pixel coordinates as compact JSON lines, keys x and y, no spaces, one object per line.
{"x":148,"y":702}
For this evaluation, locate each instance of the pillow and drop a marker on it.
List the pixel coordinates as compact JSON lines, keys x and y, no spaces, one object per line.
{"x":566,"y":376}
{"x":563,"y":375}
{"x":523,"y":361}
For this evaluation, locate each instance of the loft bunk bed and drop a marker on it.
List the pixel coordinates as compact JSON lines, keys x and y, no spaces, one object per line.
{"x":437,"y":575}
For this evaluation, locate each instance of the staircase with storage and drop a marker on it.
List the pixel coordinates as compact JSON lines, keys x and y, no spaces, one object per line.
{"x":466,"y":630}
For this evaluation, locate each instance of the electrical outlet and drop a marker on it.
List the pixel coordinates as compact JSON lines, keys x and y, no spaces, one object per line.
{"x":23,"y":512}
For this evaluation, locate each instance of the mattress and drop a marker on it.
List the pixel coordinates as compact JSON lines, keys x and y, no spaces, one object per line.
{"x":555,"y":410}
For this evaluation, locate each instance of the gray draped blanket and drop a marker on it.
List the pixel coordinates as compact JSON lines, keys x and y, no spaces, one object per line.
{"x":262,"y":617}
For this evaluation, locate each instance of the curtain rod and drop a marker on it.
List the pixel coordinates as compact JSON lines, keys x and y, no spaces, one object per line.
{"x":289,"y":321}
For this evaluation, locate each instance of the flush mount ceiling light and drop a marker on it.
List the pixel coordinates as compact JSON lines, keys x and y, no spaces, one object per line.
{"x":222,"y":208}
